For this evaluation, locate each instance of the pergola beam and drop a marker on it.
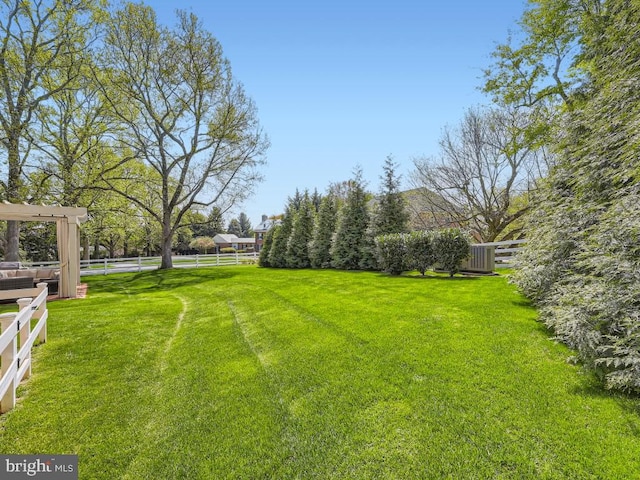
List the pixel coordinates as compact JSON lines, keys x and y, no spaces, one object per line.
{"x":67,"y":219}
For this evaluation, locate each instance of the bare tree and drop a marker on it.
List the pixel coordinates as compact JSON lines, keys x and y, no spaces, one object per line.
{"x":485,"y":163}
{"x":184,"y":115}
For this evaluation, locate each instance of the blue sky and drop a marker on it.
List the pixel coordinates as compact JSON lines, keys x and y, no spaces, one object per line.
{"x":345,"y":83}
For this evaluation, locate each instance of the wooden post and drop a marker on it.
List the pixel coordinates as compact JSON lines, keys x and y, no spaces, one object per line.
{"x":8,"y":400}
{"x":139,"y":263}
{"x":25,"y":330}
{"x":42,"y":336}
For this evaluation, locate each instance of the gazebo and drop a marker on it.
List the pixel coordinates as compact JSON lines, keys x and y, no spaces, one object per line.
{"x":68,"y":220}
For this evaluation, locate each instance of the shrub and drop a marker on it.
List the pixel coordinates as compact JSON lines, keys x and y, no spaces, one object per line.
{"x":228,"y":250}
{"x":451,"y":246}
{"x":420,"y":254}
{"x":391,"y":250}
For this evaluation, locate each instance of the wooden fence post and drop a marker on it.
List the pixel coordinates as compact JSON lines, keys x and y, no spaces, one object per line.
{"x":8,"y":400}
{"x":25,"y":330}
{"x":42,"y":336}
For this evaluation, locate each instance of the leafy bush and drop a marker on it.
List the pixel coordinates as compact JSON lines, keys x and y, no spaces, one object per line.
{"x":391,"y":250}
{"x":228,"y":250}
{"x":451,"y":246}
{"x":420,"y":254}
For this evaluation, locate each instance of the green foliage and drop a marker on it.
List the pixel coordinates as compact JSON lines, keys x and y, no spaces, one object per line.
{"x":320,"y":248}
{"x":301,"y":235}
{"x":204,"y":244}
{"x":264,"y":258}
{"x":391,"y":251}
{"x":228,"y":250}
{"x":234,"y":227}
{"x":390,"y":214}
{"x":450,"y":247}
{"x":582,"y":261}
{"x":278,"y":252}
{"x":246,"y":230}
{"x":38,"y":240}
{"x":420,"y":253}
{"x":353,"y":247}
{"x":193,"y":112}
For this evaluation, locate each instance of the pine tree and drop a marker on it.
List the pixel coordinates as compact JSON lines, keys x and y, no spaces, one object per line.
{"x":390,"y":215}
{"x":301,"y":234}
{"x":264,"y":258}
{"x":278,"y":253}
{"x":234,"y":228}
{"x":353,"y":247}
{"x":320,"y":248}
{"x":246,"y":229}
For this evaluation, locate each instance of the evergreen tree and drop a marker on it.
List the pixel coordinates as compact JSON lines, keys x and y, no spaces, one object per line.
{"x":235,"y":228}
{"x":320,"y":249}
{"x":246,"y":229}
{"x":215,"y":222}
{"x":582,"y":258}
{"x":316,"y":200}
{"x":390,"y":215}
{"x":265,"y":252}
{"x":278,"y":253}
{"x":353,"y":247}
{"x":301,"y":235}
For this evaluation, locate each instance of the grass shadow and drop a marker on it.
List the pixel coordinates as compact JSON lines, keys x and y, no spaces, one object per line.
{"x":446,"y":277}
{"x":158,"y":280}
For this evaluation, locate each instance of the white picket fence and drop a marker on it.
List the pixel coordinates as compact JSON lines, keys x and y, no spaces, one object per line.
{"x":17,"y":337}
{"x":106,"y":266}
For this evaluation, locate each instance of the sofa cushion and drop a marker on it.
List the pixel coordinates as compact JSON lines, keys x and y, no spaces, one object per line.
{"x":45,"y":273}
{"x":26,"y":272}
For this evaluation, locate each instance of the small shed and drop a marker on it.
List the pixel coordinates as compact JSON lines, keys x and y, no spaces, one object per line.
{"x":68,"y":220}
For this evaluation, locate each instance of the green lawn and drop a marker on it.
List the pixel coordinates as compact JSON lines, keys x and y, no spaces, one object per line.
{"x":242,"y":372}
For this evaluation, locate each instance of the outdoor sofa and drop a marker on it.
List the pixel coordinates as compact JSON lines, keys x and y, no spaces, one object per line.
{"x":12,"y":277}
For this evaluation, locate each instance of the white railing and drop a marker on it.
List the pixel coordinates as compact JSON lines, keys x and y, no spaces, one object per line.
{"x":17,"y":337}
{"x":504,"y":251}
{"x":138,"y":264}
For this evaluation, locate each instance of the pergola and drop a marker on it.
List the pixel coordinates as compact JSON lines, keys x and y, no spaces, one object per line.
{"x":68,"y":220}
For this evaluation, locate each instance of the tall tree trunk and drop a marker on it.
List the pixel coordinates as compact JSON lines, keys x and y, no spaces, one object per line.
{"x":85,"y":247}
{"x":96,"y":248}
{"x":12,"y":252}
{"x":167,"y":241}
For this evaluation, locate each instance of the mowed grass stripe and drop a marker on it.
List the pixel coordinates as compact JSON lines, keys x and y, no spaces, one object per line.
{"x":317,"y":374}
{"x":217,"y":411}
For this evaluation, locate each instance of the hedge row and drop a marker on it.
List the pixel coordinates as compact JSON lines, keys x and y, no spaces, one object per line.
{"x":442,"y":249}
